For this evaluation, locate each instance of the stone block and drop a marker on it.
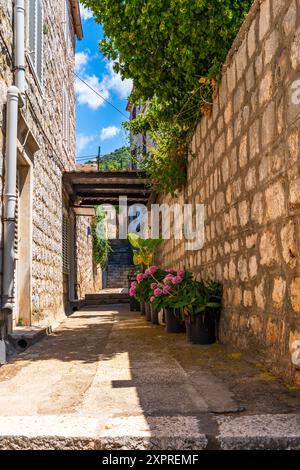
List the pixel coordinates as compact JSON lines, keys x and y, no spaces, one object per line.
{"x":254,"y":139}
{"x":250,"y":179}
{"x":268,"y":248}
{"x":279,"y":290}
{"x":253,"y":266}
{"x":266,"y":88}
{"x":260,"y":297}
{"x":268,"y":125}
{"x":247,"y":298}
{"x":241,"y":60}
{"x":288,"y":243}
{"x":264,"y":19}
{"x":257,"y":208}
{"x":289,"y":20}
{"x":243,"y":151}
{"x":243,"y":268}
{"x":271,"y":46}
{"x":244,"y":212}
{"x":251,"y":39}
{"x":275,"y":200}
{"x":294,"y":193}
{"x":295,"y":294}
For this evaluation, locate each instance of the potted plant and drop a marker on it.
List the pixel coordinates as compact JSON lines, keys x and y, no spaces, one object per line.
{"x":143,"y":252}
{"x":166,"y":293}
{"x":202,"y":312}
{"x":140,"y":290}
{"x":135,"y":306}
{"x":177,"y":282}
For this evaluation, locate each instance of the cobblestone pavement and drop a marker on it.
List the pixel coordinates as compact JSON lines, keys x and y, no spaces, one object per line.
{"x":108,"y":379}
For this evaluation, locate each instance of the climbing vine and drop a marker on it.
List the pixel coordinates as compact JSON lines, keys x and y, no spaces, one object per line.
{"x":101,"y":246}
{"x":172,"y":49}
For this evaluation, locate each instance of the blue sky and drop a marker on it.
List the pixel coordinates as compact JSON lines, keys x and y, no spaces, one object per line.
{"x":97,"y":122}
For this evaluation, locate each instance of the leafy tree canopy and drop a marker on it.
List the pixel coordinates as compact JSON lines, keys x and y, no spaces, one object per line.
{"x":166,"y":47}
{"x":119,"y":159}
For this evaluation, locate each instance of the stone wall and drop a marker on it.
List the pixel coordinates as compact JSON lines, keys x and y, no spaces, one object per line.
{"x":246,"y":173}
{"x":43,"y":113}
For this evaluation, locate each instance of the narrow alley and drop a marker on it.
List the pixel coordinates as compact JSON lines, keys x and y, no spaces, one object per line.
{"x":107,"y":379}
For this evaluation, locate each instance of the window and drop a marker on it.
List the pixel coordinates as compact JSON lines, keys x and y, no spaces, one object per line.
{"x":35,"y":37}
{"x":66,"y":119}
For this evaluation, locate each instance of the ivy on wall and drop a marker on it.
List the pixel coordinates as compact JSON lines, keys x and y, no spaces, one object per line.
{"x":172,"y":49}
{"x":101,"y":246}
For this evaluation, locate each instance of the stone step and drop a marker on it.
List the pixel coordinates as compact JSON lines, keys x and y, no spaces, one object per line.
{"x":77,"y":432}
{"x":107,"y":298}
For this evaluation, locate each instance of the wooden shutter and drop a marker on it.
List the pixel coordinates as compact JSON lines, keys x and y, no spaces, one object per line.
{"x":39,"y":40}
{"x":35,"y":36}
{"x":16,"y":251}
{"x":32,"y":30}
{"x":65,"y":244}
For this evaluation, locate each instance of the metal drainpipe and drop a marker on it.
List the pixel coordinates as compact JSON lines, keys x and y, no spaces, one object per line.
{"x":19,"y":32}
{"x":14,"y":93}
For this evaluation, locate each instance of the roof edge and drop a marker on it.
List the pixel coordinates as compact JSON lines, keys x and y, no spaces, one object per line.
{"x":77,"y":18}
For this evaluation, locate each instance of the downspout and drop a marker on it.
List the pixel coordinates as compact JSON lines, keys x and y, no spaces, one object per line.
{"x":15,"y":99}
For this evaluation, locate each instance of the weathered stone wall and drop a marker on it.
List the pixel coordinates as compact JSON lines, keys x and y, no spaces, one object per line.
{"x":44,"y":114}
{"x":5,"y":79}
{"x":246,"y":173}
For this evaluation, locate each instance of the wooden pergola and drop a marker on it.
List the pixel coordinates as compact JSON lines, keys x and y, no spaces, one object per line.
{"x":93,"y":188}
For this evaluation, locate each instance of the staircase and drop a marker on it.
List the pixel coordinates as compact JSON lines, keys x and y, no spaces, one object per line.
{"x":119,"y":264}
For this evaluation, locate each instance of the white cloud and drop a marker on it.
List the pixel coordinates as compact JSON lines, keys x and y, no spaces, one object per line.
{"x":82,"y":141}
{"x":86,"y":95}
{"x":109,"y":132}
{"x":81,"y":60}
{"x":110,"y":82}
{"x":85,"y":13}
{"x":113,"y":81}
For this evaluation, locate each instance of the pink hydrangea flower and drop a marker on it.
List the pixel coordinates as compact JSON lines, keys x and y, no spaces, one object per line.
{"x":153,"y":269}
{"x":133,"y":284}
{"x":132,"y":292}
{"x":158,"y":292}
{"x":154,"y":285}
{"x":168,"y":278}
{"x":181,"y":273}
{"x":176,"y":280}
{"x":167,"y":290}
{"x":140,"y":277}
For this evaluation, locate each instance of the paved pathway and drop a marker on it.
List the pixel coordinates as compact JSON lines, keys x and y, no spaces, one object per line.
{"x":107,"y":379}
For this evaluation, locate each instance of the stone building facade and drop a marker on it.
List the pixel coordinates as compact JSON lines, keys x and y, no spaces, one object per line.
{"x":47,"y":232}
{"x":246,"y":173}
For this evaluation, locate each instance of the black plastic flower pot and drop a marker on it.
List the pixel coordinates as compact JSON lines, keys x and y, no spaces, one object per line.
{"x":154,"y":315}
{"x":202,"y":329}
{"x":174,"y":323}
{"x":143,"y":308}
{"x":135,"y":306}
{"x":148,"y":311}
